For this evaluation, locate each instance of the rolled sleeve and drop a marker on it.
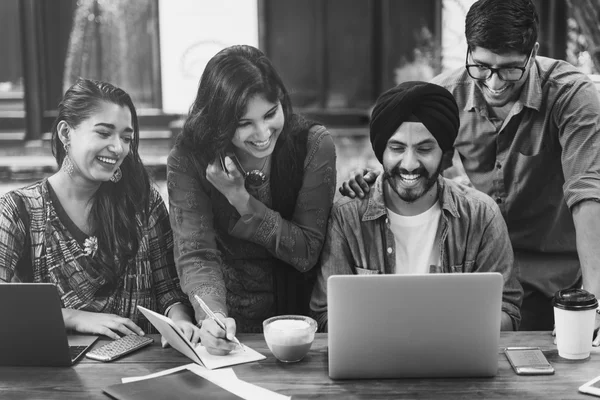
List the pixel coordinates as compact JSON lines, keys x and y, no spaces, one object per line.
{"x":578,"y":119}
{"x":581,"y":188}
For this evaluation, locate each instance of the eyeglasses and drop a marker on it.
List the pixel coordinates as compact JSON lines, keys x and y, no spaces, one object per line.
{"x":483,"y":72}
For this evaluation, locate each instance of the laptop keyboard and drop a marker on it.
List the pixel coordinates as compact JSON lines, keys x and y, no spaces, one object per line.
{"x":76,"y":351}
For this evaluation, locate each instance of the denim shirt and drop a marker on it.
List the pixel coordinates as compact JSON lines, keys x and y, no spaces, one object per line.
{"x":542,"y":161}
{"x":472,"y":238}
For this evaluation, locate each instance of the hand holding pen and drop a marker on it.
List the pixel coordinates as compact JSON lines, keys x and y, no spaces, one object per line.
{"x":212,"y":338}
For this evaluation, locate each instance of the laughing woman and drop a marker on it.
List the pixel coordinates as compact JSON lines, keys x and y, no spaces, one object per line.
{"x":96,"y":229}
{"x":251,"y":185}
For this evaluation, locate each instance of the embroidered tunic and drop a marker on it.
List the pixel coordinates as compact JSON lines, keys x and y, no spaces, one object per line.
{"x":58,"y":256}
{"x":229,"y":260}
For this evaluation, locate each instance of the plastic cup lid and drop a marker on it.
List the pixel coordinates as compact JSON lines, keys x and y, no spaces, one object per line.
{"x":574,"y":299}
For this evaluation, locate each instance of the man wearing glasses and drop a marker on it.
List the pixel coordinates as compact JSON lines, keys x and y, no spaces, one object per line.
{"x":530,"y":138}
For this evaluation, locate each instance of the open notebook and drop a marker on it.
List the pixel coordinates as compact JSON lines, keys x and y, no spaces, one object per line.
{"x":198,"y":353}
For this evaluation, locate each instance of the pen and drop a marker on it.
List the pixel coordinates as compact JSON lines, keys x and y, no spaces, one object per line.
{"x":212,"y":316}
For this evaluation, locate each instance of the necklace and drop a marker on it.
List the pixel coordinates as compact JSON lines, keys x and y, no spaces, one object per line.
{"x":256,"y":177}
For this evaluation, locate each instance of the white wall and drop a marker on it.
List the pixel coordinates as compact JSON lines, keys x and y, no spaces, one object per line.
{"x":454,"y":43}
{"x":191,"y":32}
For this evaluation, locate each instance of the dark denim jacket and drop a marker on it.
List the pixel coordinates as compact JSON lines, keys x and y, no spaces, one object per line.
{"x":472,"y":233}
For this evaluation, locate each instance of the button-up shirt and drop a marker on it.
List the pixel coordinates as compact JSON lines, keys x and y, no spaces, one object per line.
{"x":472,"y":237}
{"x":541,"y":161}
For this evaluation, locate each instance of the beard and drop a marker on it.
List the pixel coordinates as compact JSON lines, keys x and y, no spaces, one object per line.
{"x":411,"y":194}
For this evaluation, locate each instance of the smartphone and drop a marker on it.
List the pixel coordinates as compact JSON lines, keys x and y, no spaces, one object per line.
{"x":528,"y":361}
{"x":592,"y":387}
{"x":118,"y":348}
{"x":222,"y":160}
{"x":235,"y":160}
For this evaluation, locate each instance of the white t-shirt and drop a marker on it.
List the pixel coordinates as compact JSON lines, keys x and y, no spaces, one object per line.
{"x":415,"y":240}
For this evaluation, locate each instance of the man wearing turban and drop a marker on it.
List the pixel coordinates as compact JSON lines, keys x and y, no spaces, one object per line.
{"x":414,"y":221}
{"x":529,"y":138}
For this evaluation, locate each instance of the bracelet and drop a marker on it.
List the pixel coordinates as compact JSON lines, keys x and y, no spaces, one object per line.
{"x":178,"y":302}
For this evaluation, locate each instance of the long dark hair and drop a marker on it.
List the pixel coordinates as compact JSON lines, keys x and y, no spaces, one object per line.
{"x":115,"y":206}
{"x":231,"y":78}
{"x":502,"y":26}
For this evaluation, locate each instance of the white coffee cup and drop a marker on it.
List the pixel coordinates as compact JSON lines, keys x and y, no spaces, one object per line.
{"x":574,"y":317}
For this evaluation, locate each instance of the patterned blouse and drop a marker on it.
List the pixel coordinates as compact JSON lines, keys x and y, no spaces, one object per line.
{"x":58,"y":256}
{"x":228,"y":260}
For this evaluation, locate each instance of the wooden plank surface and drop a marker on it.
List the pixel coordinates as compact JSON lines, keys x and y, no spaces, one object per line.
{"x":308,"y":378}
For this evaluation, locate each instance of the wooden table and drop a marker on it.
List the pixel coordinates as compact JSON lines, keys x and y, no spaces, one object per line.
{"x":308,"y":378}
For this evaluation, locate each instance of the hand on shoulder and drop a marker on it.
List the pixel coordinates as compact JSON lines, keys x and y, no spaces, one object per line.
{"x":359,"y":183}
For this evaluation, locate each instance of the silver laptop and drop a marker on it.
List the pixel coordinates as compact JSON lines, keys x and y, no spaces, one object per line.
{"x":33,"y":332}
{"x":407,"y":326}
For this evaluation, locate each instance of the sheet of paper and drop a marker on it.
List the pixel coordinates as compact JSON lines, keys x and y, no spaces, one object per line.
{"x":225,"y":377}
{"x":239,"y":387}
{"x":154,"y":375}
{"x":224,"y":373}
{"x":199,"y":354}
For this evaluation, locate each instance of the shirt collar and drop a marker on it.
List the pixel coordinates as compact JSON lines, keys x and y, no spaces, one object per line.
{"x":473,"y":95}
{"x":531,"y":93}
{"x":446,"y":198}
{"x":376,"y":201}
{"x":376,"y":207}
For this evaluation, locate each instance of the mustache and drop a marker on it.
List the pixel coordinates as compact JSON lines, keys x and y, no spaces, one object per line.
{"x":419,"y":171}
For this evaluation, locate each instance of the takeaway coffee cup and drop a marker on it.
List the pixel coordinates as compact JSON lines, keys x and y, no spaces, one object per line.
{"x":574,"y":317}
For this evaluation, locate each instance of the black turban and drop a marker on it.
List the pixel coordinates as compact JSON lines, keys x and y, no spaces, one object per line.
{"x":431,"y":104}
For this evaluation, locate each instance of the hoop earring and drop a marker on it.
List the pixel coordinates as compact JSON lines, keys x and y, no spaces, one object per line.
{"x":116,"y":176}
{"x":67,"y":164}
